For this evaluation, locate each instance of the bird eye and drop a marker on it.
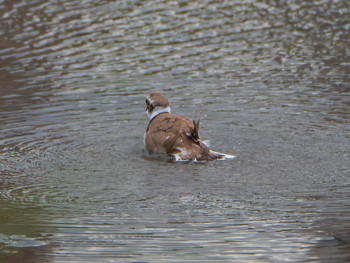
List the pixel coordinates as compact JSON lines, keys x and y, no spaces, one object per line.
{"x":150,"y":107}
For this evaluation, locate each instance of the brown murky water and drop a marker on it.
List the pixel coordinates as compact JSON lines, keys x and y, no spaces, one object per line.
{"x":270,"y":81}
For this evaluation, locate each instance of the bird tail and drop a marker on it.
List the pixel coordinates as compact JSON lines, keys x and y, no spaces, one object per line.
{"x":221,"y":156}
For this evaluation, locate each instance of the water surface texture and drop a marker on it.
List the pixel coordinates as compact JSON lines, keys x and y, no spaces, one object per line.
{"x":269,"y":81}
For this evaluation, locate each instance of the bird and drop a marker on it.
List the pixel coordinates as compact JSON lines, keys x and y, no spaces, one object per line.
{"x":175,"y":135}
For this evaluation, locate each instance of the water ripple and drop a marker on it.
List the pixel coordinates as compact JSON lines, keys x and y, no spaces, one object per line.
{"x":269,"y":81}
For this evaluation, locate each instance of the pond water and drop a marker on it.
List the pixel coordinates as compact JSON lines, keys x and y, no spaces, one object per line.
{"x":270,"y":82}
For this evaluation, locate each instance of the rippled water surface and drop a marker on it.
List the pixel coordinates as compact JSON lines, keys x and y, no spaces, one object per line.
{"x":270,"y":82}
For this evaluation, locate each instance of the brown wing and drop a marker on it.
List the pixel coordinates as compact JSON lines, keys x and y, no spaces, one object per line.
{"x":185,"y":135}
{"x":166,"y":131}
{"x":173,"y":134}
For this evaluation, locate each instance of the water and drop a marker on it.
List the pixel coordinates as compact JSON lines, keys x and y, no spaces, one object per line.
{"x":270,"y":82}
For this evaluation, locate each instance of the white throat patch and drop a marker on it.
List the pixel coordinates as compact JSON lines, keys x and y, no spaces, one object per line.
{"x":157,"y":111}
